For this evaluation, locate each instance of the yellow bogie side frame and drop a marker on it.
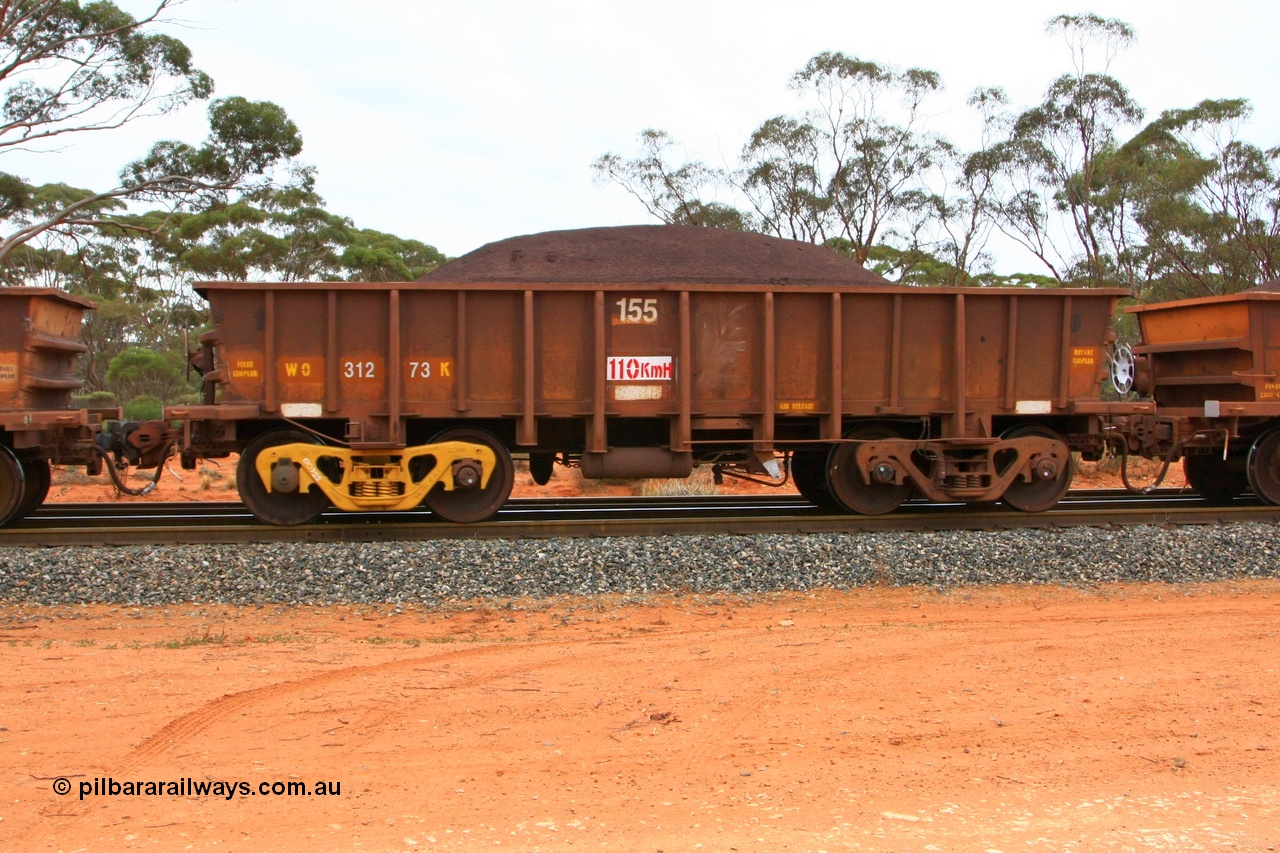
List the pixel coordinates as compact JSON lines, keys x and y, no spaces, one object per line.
{"x":382,"y":480}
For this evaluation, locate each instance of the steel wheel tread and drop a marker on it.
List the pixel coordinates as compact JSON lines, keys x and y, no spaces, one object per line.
{"x":12,"y":483}
{"x":37,"y":479}
{"x":809,"y":473}
{"x":285,"y":510}
{"x":1264,"y":467}
{"x":1038,"y":495}
{"x":1213,"y":478}
{"x":470,"y":506}
{"x":845,"y":482}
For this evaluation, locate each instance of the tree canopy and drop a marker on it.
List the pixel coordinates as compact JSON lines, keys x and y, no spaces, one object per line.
{"x":237,"y":205}
{"x":1177,"y":206}
{"x":70,"y":69}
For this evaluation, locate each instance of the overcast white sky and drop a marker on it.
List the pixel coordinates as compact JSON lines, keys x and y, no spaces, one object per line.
{"x":459,"y":123}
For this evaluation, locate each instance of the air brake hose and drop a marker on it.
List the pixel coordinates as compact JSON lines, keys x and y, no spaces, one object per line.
{"x":119,"y":482}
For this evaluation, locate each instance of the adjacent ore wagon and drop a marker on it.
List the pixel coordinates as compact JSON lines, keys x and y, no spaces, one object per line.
{"x":40,"y":346}
{"x":641,"y":352}
{"x":1213,"y":368}
{"x":40,"y":349}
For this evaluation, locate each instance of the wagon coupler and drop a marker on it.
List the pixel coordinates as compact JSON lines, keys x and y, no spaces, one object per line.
{"x":145,"y":444}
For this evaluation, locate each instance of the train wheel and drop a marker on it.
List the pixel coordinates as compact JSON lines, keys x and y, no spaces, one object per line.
{"x":540,"y":467}
{"x":11,"y":485}
{"x":469,"y":506}
{"x":36,"y":480}
{"x":282,"y":508}
{"x":809,"y":473}
{"x":1038,"y":495}
{"x":1264,"y":466}
{"x":1215,"y":479}
{"x":845,"y":481}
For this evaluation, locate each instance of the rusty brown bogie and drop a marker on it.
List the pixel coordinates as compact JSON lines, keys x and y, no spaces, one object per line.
{"x":973,"y":471}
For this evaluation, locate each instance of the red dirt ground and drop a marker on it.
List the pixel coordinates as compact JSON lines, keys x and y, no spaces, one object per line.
{"x":1028,"y":718}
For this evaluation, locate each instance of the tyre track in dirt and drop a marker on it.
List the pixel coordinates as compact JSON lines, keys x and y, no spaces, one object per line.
{"x":190,"y":725}
{"x":966,"y":720}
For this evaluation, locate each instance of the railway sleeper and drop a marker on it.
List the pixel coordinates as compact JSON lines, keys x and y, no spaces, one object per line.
{"x":359,"y":481}
{"x":966,"y":470}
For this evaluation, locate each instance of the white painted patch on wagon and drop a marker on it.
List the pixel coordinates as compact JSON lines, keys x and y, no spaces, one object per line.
{"x":638,"y":392}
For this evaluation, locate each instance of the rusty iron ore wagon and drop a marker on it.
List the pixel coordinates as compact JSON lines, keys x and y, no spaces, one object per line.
{"x":641,"y":352}
{"x":1212,"y":366}
{"x":40,"y":348}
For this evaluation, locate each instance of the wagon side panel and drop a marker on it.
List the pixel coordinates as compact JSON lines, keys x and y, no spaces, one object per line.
{"x":928,"y":333}
{"x":430,"y":367}
{"x":870,"y":358}
{"x":726,"y":351}
{"x":804,"y":353}
{"x":563,"y":352}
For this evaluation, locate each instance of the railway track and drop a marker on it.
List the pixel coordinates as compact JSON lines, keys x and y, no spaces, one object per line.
{"x":230,"y":522}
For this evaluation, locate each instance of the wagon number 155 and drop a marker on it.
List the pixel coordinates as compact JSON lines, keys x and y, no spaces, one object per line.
{"x":636,"y":309}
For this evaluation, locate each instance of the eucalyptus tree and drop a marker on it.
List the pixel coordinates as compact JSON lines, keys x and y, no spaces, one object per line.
{"x":861,"y":151}
{"x":371,"y":255}
{"x":1051,"y":159}
{"x":271,"y":232}
{"x":673,"y":194}
{"x":1211,"y":214}
{"x":784,"y":181}
{"x":850,"y":170}
{"x":967,"y":208}
{"x":285,"y":233}
{"x":70,"y":69}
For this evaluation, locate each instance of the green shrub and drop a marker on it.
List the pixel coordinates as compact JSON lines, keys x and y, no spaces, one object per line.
{"x":144,"y":408}
{"x":94,"y":400}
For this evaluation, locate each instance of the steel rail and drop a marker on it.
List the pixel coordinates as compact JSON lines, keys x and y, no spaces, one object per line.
{"x":134,"y":523}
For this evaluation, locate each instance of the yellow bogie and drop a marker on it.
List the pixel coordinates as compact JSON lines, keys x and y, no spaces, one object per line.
{"x":379,"y":480}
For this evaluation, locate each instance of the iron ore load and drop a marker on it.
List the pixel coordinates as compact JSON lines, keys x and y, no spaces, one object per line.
{"x":640,"y":352}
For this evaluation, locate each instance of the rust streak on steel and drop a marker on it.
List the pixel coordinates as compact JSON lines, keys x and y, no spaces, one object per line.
{"x":684,"y":424}
{"x":1064,"y":356}
{"x":769,"y":373}
{"x":598,"y":441}
{"x":271,"y":393}
{"x":395,"y":429}
{"x":832,"y":428}
{"x":1010,"y":353}
{"x":958,"y":369}
{"x":895,"y":355}
{"x":460,"y":354}
{"x":527,"y":433}
{"x":331,"y":353}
